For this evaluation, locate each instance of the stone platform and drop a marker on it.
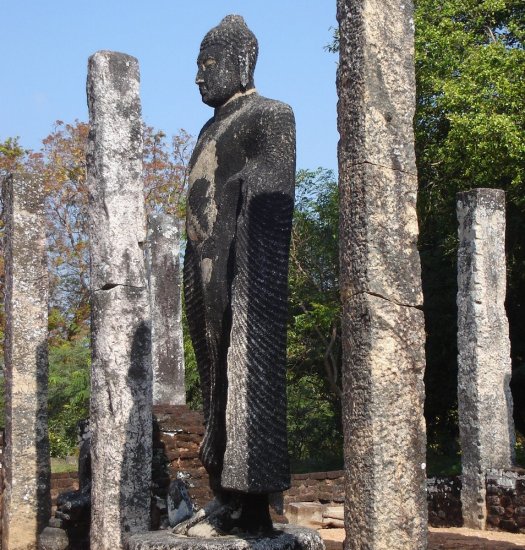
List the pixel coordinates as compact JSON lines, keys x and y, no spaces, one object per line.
{"x":286,"y":537}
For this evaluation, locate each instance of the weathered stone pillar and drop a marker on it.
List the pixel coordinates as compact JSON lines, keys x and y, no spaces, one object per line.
{"x":27,"y":503}
{"x":121,"y":421}
{"x":164,"y":278}
{"x":484,"y":366}
{"x":383,"y":325}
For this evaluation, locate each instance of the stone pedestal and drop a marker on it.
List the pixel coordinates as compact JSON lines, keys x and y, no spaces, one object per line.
{"x":484,"y":365}
{"x":382,"y":324}
{"x":121,"y":419}
{"x":164,"y":278}
{"x":26,"y":496}
{"x":53,"y":538}
{"x":285,"y":538}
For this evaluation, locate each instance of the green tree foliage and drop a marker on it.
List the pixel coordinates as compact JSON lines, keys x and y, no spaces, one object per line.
{"x":192,"y":380}
{"x":314,"y":334}
{"x":62,"y":164}
{"x":11,"y":154}
{"x":314,"y":339}
{"x":68,"y":402}
{"x":470,"y":132}
{"x":63,"y":167}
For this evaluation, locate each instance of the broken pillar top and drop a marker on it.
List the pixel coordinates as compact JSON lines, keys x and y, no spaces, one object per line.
{"x":114,"y":159}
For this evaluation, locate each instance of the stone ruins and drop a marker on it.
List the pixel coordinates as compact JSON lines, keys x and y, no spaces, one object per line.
{"x":239,"y":216}
{"x":484,"y":366}
{"x":121,"y":402}
{"x":27,"y":502}
{"x":383,"y":325}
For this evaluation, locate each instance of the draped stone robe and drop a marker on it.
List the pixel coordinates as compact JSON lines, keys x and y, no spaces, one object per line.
{"x":239,"y":216}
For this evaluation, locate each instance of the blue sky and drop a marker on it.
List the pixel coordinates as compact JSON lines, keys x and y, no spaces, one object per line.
{"x":47,"y":44}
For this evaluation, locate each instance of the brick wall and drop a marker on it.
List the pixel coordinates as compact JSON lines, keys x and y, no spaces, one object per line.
{"x":60,"y":483}
{"x":443,"y":494}
{"x":506,"y":500}
{"x":180,"y":434}
{"x":323,"y":487}
{"x":180,"y":431}
{"x":444,"y":501}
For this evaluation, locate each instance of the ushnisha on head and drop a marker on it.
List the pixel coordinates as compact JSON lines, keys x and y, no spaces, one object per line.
{"x":226,"y":61}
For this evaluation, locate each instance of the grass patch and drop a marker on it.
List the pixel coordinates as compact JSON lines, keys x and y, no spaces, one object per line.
{"x":63,"y":465}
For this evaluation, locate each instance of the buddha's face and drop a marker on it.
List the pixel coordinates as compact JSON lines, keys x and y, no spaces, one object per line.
{"x":218,"y":75}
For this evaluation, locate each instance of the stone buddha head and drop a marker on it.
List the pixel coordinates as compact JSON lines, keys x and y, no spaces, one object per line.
{"x":226,"y":61}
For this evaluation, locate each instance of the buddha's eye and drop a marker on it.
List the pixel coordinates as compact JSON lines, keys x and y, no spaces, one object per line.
{"x":209,"y":63}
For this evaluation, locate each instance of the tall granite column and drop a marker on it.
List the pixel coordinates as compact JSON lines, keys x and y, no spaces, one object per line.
{"x":164,"y":278}
{"x":121,"y":422}
{"x":383,"y":325}
{"x":484,"y":366}
{"x":27,"y":502}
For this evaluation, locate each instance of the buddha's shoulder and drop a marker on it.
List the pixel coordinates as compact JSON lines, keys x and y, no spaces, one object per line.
{"x":263,"y":104}
{"x":270,"y":108}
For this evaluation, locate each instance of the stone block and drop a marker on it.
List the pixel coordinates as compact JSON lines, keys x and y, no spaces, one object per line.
{"x":376,"y":84}
{"x":114,"y":171}
{"x":493,"y":490}
{"x":379,"y":252}
{"x":187,"y":454}
{"x":121,"y":395}
{"x":307,"y":514}
{"x":26,"y":467}
{"x":484,"y":367}
{"x":325,"y":496}
{"x":299,"y":477}
{"x":383,"y":394}
{"x":521,"y":522}
{"x":508,"y":525}
{"x":494,"y":521}
{"x":164,"y":279}
{"x":333,"y":523}
{"x":308,"y":496}
{"x":311,"y":483}
{"x":335,"y":474}
{"x":335,"y":512}
{"x":383,"y":329}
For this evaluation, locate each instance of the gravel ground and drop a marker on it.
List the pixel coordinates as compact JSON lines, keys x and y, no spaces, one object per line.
{"x":447,"y":539}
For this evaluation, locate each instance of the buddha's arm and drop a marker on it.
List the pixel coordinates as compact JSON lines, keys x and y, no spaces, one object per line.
{"x":263,"y":234}
{"x":257,"y":353}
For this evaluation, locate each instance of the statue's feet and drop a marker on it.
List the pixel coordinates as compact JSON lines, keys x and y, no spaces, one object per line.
{"x":255,"y":515}
{"x":215,"y":520}
{"x":237,"y":515}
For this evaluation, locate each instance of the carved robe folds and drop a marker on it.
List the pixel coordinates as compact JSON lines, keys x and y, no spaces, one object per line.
{"x":239,"y":219}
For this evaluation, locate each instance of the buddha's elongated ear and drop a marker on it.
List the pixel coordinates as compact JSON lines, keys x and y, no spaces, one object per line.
{"x":244,"y":66}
